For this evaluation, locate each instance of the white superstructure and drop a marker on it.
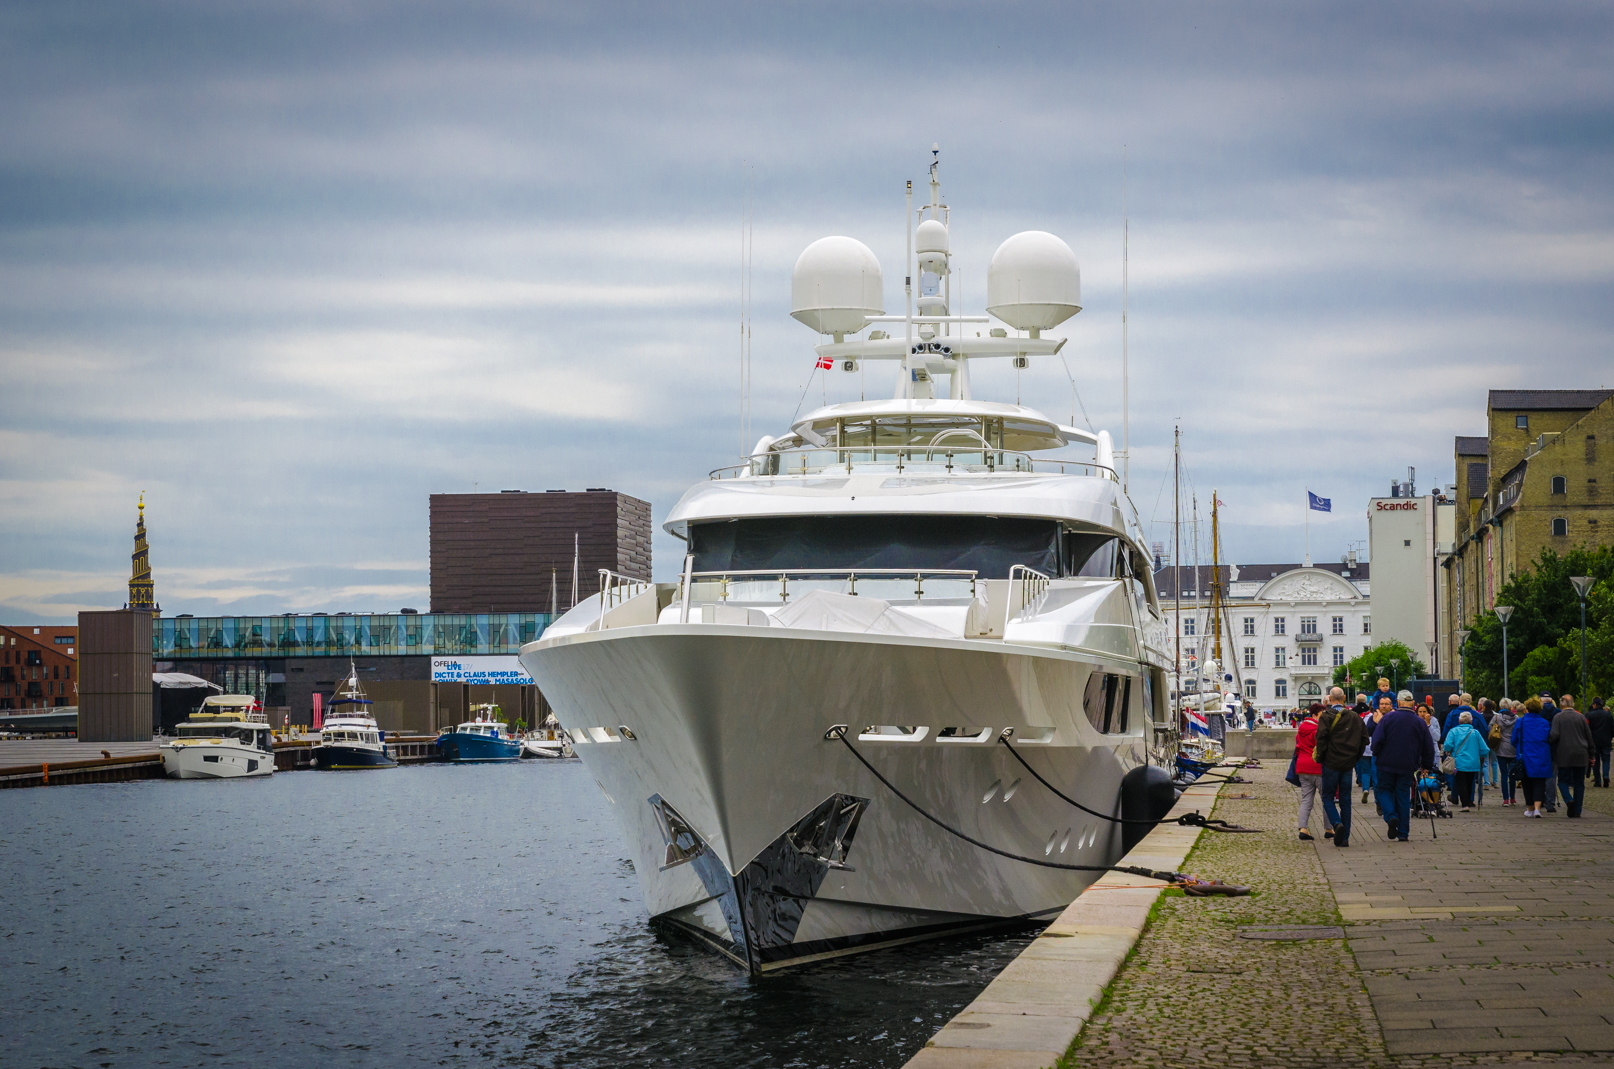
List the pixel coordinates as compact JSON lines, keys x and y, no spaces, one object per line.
{"x":904,"y":569}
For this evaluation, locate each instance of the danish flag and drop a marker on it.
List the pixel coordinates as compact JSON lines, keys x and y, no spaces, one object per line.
{"x":825,"y":363}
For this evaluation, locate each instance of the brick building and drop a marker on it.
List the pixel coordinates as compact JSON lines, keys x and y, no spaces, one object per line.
{"x":513,"y":551}
{"x":38,"y":667}
{"x":1540,"y":478}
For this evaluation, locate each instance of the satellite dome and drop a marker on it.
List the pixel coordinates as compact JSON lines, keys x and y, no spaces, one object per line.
{"x":930,"y":245}
{"x":836,"y":282}
{"x":1033,"y":282}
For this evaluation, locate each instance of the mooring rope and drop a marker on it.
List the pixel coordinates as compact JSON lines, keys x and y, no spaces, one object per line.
{"x":839,"y":732}
{"x":1189,"y":820}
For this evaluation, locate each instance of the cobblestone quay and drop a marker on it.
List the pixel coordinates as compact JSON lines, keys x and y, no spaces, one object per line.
{"x":1491,"y":944}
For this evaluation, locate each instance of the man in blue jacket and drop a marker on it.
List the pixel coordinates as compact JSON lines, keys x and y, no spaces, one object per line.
{"x":1401,"y":746}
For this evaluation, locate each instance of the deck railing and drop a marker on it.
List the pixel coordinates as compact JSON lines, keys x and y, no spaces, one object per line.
{"x":747,"y":584}
{"x":926,"y":458}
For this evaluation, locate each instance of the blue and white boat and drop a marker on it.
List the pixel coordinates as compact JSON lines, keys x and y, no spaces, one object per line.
{"x":481,"y":739}
{"x":350,"y":738}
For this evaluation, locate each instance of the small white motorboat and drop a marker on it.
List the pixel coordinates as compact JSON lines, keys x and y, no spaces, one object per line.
{"x":227,"y":738}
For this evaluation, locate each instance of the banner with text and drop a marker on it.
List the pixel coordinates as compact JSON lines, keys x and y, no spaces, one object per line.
{"x":479,"y":670}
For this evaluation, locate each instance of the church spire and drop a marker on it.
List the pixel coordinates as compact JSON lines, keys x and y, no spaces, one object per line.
{"x":141,"y":588}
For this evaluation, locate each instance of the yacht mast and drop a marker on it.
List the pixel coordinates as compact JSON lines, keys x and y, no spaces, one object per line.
{"x":1176,"y":541}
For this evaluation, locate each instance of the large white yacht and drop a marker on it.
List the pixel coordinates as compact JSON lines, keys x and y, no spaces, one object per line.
{"x":893,"y":596}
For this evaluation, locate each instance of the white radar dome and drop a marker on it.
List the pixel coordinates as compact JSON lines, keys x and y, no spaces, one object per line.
{"x":930,"y":245}
{"x":836,"y":282}
{"x":1033,"y":282}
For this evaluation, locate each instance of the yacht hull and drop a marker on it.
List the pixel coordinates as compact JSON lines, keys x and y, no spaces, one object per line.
{"x":339,"y":758}
{"x":459,"y":747}
{"x":210,"y":760}
{"x":726,"y":756}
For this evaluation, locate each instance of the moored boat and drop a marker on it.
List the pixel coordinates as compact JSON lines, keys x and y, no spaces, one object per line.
{"x":229,"y":737}
{"x":889,"y":616}
{"x":350,"y":738}
{"x":479,"y":740}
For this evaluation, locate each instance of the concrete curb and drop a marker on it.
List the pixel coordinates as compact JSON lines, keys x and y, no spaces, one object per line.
{"x":1030,"y":1014}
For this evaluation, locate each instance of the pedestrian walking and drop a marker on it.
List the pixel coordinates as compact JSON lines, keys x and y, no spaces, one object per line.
{"x":1601,"y":722}
{"x":1506,"y":756}
{"x":1549,"y":709}
{"x":1307,"y":768}
{"x":1571,"y":740}
{"x":1341,"y":739}
{"x":1530,"y":733}
{"x":1468,"y":749}
{"x":1364,"y":764}
{"x":1401,"y":747}
{"x":1487,"y":710}
{"x":1457,"y":704}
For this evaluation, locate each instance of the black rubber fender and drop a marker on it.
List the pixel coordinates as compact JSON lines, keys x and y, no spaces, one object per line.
{"x":1147,"y":794}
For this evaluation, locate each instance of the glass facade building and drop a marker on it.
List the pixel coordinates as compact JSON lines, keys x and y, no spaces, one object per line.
{"x":194,"y":638}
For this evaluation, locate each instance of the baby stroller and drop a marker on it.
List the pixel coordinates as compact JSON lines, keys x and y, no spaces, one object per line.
{"x":1426,"y":797}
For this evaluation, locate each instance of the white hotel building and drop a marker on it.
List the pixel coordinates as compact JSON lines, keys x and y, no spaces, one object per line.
{"x":1291,"y":625}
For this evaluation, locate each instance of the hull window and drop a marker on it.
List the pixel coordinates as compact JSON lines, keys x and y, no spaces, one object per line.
{"x":1108,"y":702}
{"x":987,"y":545}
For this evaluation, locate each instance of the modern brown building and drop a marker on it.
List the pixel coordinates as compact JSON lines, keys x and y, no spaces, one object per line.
{"x":115,"y":687}
{"x":514,"y":551}
{"x":38,"y":667}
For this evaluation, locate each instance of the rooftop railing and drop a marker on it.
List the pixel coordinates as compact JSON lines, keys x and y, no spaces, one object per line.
{"x":929,"y":459}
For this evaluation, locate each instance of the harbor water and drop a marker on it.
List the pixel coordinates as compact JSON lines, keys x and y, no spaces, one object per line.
{"x":433,"y":915}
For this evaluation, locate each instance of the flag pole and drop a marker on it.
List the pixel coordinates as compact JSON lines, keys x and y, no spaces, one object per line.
{"x":1308,"y":527}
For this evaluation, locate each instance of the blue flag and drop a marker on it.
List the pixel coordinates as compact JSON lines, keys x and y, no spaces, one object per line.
{"x":1319,"y":504}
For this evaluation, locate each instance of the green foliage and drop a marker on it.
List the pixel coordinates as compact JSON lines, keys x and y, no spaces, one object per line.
{"x":1364,"y":670}
{"x":1547,"y":615}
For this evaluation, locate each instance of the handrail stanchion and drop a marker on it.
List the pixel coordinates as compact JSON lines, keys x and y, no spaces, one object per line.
{"x":689,"y":567}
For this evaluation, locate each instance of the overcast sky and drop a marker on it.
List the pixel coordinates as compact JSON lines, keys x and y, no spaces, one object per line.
{"x":289,"y":268}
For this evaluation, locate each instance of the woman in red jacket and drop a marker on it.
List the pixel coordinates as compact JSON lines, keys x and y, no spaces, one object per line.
{"x":1307,"y":768}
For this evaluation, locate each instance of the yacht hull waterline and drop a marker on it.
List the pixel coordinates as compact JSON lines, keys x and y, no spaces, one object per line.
{"x":726,"y":747}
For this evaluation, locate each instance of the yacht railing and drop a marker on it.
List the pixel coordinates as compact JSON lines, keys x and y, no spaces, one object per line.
{"x":925,"y":458}
{"x":1025,"y":586}
{"x":727,"y":581}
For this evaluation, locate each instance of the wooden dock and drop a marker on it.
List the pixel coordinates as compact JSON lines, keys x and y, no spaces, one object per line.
{"x":59,"y":762}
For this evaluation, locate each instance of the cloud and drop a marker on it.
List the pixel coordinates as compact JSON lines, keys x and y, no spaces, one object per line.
{"x":291,"y":268}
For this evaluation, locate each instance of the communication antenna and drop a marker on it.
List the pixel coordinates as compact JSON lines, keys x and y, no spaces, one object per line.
{"x":1126,"y":412}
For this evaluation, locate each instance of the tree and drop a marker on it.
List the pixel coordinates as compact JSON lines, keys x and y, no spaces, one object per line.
{"x":1364,"y":670}
{"x":1545,"y":613}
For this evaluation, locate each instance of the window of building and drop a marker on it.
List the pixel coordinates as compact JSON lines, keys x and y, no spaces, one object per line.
{"x":1560,"y":527}
{"x":1280,"y":688}
{"x":1249,"y":689}
{"x":1189,"y":626}
{"x":1406,"y":541}
{"x":1308,"y":656}
{"x":63,"y":640}
{"x":1560,"y":485}
{"x":1337,"y":625}
{"x":1249,"y":625}
{"x":1311,"y":690}
{"x":1308,"y":625}
{"x":1280,"y":626}
{"x":1193,"y":660}
{"x":1591,"y":449}
{"x":1367,"y":625}
{"x":1249,"y":656}
{"x":1522,"y":422}
{"x":1339,"y":656}
{"x":1280,"y":657}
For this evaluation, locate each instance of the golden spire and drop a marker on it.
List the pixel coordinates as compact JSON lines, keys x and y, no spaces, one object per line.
{"x":141,"y":588}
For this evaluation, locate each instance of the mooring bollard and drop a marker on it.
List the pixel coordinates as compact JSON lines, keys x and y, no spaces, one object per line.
{"x":45,"y":768}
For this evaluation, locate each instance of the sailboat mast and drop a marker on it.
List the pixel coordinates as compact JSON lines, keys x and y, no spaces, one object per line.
{"x":1176,"y":541}
{"x":1216,"y":576}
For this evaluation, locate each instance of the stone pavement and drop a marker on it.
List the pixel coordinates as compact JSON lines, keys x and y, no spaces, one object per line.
{"x":1493,"y":943}
{"x":1496,"y":935}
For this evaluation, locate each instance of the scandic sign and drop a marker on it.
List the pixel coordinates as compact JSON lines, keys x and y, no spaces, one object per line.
{"x":1395,"y":506}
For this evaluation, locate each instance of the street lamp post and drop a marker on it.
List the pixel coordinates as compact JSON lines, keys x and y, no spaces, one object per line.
{"x":1462,"y":657}
{"x":1504,"y":613}
{"x":1395,"y":673}
{"x":1582,"y":584}
{"x":1434,"y":669}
